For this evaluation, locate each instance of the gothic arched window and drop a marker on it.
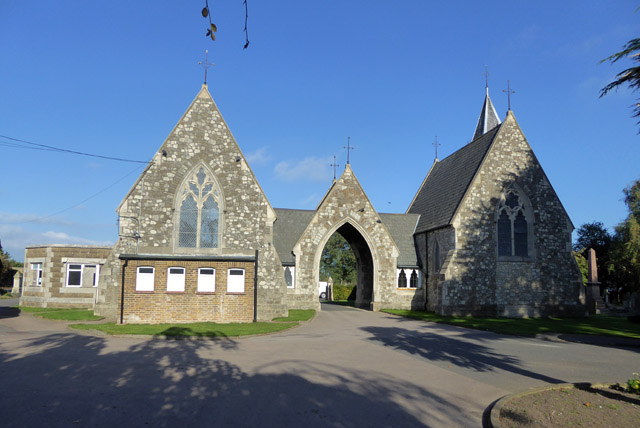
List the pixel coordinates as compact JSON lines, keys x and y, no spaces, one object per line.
{"x":513,"y":226}
{"x":402,"y":279}
{"x":199,"y":211}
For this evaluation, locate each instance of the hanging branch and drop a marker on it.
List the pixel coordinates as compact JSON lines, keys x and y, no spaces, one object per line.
{"x":212,"y":27}
{"x":211,"y":31}
{"x":246,"y":18}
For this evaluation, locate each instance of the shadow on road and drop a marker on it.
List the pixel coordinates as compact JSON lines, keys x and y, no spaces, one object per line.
{"x":8,"y":312}
{"x":77,"y":380}
{"x":463,"y":353}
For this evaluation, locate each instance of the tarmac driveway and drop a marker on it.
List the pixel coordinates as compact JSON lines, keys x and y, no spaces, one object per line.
{"x":345,"y":368}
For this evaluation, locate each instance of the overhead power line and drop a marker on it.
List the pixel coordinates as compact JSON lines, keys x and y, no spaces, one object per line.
{"x":36,"y":146}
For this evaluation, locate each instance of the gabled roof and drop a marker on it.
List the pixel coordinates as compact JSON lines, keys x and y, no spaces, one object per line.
{"x":287,"y":229}
{"x":444,"y":187}
{"x":291,"y":224}
{"x":488,"y":118}
{"x":401,"y":228}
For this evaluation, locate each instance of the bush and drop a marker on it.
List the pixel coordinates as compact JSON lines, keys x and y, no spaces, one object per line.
{"x":633,"y":384}
{"x":344,"y":292}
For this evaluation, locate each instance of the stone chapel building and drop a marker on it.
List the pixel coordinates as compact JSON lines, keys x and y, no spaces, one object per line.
{"x":199,"y":241}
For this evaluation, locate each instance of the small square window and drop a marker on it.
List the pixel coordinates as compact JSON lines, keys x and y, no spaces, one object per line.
{"x":235,"y":281}
{"x":175,"y":279}
{"x":145,"y":279}
{"x":206,"y":280}
{"x":74,"y":275}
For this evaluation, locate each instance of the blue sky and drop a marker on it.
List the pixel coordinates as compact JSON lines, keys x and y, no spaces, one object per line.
{"x":113,"y":78}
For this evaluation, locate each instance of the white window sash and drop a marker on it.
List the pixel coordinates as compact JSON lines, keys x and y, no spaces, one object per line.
{"x":145,"y":281}
{"x":175,"y":281}
{"x":206,"y":283}
{"x":235,"y":283}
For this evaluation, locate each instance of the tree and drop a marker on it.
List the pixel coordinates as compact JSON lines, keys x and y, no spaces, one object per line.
{"x":625,"y":253}
{"x":338,"y":261}
{"x":595,"y":235}
{"x":629,"y":76}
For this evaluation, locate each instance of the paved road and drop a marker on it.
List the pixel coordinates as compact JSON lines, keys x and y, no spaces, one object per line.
{"x":346,"y":368}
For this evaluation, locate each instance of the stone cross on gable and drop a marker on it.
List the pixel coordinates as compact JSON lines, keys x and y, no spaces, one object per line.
{"x":206,"y":64}
{"x":509,"y":91}
{"x":348,"y":147}
{"x":334,"y":165}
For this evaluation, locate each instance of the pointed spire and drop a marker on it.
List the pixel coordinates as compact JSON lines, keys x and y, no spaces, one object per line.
{"x":488,"y":117}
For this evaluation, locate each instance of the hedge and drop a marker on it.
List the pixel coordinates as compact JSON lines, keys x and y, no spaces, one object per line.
{"x":344,"y":292}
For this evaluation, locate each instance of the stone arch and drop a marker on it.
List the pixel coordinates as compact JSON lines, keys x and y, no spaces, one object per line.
{"x":366,"y":259}
{"x":200,"y":186}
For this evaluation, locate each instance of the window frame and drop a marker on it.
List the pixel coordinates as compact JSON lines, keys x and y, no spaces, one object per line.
{"x":69,"y":270}
{"x":201,"y":278}
{"x":37,"y":280}
{"x":230,"y":282}
{"x":512,"y":213}
{"x":187,"y":189}
{"x":148,"y":277}
{"x":176,"y":281}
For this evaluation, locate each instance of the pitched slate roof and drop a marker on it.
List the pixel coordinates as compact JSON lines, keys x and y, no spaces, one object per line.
{"x":488,"y":118}
{"x":287,"y":229}
{"x":291,"y":224}
{"x":447,"y":181}
{"x":401,"y":228}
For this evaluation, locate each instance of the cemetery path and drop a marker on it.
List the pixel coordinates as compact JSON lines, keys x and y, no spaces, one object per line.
{"x":346,"y":368}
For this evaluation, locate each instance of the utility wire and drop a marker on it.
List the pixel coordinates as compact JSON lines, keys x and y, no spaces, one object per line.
{"x":79,"y":203}
{"x":58,"y":149}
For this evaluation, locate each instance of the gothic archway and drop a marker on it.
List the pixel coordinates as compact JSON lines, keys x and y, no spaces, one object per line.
{"x":365,"y":266}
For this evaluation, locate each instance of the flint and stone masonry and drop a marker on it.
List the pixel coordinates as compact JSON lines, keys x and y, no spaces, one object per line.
{"x":198,"y":205}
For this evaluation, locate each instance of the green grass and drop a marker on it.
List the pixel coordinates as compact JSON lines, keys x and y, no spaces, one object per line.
{"x":297,"y":315}
{"x":202,"y":329}
{"x":62,"y":314}
{"x":8,"y":296}
{"x":597,"y":325}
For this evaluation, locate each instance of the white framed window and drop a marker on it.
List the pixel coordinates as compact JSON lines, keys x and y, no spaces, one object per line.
{"x":235,"y":281}
{"x":74,"y":275}
{"x":175,"y":279}
{"x":82,"y":275}
{"x":36,"y":269}
{"x":409,"y":278}
{"x":206,"y":280}
{"x":145,"y":278}
{"x":290,"y":276}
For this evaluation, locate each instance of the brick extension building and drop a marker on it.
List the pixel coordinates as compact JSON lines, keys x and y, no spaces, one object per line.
{"x":198,"y":240}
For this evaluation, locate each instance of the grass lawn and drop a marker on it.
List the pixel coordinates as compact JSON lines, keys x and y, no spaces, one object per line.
{"x":297,"y":315}
{"x":599,"y":324}
{"x":63,"y":314}
{"x":7,"y":296}
{"x":201,"y":329}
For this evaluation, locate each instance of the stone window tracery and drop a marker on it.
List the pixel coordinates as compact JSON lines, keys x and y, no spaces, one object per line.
{"x":199,"y":211}
{"x":513,"y":225}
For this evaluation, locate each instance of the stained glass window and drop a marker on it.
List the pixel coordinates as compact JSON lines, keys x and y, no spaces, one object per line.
{"x":513,"y":230}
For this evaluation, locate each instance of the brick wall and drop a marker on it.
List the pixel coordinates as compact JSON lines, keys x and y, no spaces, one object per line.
{"x":161,"y":306}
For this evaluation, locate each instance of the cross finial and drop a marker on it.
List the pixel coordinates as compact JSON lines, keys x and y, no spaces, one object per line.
{"x":349,"y":147}
{"x":436,"y":144}
{"x":334,"y":165}
{"x":206,"y":64}
{"x":486,"y":77}
{"x":509,"y":92}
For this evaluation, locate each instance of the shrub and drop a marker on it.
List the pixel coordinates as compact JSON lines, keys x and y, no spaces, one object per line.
{"x":633,"y":384}
{"x":344,"y":292}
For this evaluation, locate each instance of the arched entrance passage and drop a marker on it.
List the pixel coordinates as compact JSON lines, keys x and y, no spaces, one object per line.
{"x":365,"y":277}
